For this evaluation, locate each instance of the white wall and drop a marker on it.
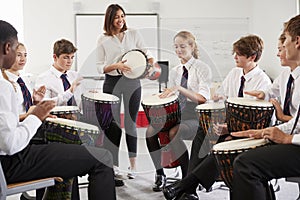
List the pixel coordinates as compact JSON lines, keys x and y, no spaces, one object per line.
{"x":47,"y":21}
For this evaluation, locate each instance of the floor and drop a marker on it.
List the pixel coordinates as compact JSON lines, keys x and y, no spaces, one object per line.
{"x":140,"y":188}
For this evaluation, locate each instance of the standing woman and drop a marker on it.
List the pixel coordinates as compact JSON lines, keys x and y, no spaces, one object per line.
{"x":191,"y":80}
{"x":116,"y":41}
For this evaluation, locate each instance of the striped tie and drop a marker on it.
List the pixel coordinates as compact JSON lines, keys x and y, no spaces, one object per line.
{"x":241,"y":90}
{"x":296,"y":120}
{"x":288,"y":97}
{"x":184,"y":78}
{"x":26,"y":94}
{"x":67,"y":85}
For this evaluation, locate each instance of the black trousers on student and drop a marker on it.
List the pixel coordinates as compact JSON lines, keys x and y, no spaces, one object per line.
{"x":130,"y":91}
{"x":252,"y":169}
{"x":66,"y":161}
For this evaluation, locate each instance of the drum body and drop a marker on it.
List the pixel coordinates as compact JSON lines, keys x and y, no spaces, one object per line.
{"x":245,"y":113}
{"x":226,"y":152}
{"x":70,"y":131}
{"x":209,"y":114}
{"x":137,"y":61}
{"x":98,"y":108}
{"x":162,"y":113}
{"x":67,"y":112}
{"x":168,"y":158}
{"x":155,"y":72}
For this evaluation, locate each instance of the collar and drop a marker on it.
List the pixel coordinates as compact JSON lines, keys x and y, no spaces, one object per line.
{"x":11,"y":76}
{"x":56,"y":72}
{"x":189,"y":63}
{"x":251,"y":74}
{"x":296,"y":72}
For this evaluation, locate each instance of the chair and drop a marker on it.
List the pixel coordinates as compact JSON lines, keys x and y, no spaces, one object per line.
{"x":15,"y":188}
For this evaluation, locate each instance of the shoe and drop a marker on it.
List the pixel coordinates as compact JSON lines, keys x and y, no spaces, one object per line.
{"x":186,"y":196}
{"x":173,"y":190}
{"x":131,"y":173}
{"x":119,"y":183}
{"x":118,"y":174}
{"x":159,"y":184}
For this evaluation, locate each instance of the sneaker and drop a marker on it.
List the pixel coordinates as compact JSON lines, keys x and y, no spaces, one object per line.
{"x":118,"y":174}
{"x":131,"y":173}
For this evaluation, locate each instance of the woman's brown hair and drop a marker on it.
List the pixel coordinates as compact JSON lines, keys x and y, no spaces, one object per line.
{"x":109,"y":19}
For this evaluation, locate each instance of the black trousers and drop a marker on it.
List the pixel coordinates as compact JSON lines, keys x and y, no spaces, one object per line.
{"x":130,"y":91}
{"x":66,"y":161}
{"x":252,"y":169}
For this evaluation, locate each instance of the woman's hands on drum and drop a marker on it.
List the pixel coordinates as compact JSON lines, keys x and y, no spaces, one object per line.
{"x":220,"y":129}
{"x":38,"y":95}
{"x":272,"y":133}
{"x":120,"y":66}
{"x":256,"y":93}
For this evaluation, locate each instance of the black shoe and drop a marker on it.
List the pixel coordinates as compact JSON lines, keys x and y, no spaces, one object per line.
{"x":160,"y":182}
{"x":173,"y":190}
{"x":118,"y":182}
{"x":186,"y":196}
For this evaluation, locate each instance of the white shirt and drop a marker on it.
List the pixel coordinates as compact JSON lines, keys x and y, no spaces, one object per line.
{"x":14,"y":135}
{"x":55,"y":88}
{"x":110,"y":49}
{"x":278,"y":88}
{"x":287,"y":128}
{"x":199,"y":77}
{"x":256,"y":79}
{"x":19,"y":95}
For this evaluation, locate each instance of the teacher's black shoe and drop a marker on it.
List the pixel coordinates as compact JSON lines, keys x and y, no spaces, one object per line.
{"x":118,"y":182}
{"x":186,"y":196}
{"x":160,"y":182}
{"x":172,"y":191}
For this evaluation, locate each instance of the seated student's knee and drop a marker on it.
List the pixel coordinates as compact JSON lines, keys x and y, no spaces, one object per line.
{"x":102,"y":155}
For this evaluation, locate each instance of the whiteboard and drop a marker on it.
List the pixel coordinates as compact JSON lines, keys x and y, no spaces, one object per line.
{"x":88,"y":27}
{"x":214,"y":36}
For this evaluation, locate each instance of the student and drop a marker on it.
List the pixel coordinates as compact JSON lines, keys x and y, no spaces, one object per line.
{"x":191,"y":81}
{"x":24,"y":162}
{"x":202,"y":168}
{"x":25,"y":96}
{"x":273,"y":161}
{"x":285,"y":109}
{"x":116,"y":41}
{"x":61,"y":82}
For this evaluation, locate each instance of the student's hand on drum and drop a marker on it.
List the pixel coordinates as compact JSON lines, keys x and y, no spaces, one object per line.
{"x":39,"y":94}
{"x":220,"y":129}
{"x":278,"y":110}
{"x":249,"y":133}
{"x":75,"y":84}
{"x":256,"y":93}
{"x":276,"y":135}
{"x":42,"y":109}
{"x":167,"y":92}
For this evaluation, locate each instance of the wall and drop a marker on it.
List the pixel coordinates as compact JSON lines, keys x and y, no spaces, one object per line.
{"x":47,"y":21}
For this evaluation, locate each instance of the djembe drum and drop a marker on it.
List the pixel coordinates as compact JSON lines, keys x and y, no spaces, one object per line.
{"x":69,"y":132}
{"x":162,"y":113}
{"x":245,"y":113}
{"x":226,"y":152}
{"x":209,"y":114}
{"x":66,"y":112}
{"x":98,"y":110}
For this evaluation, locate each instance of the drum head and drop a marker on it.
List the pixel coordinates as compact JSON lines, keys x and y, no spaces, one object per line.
{"x":72,"y":124}
{"x":137,"y":60}
{"x":249,"y":102}
{"x":155,"y":100}
{"x":211,"y":106}
{"x":239,"y":144}
{"x":65,"y":109}
{"x":97,"y":96}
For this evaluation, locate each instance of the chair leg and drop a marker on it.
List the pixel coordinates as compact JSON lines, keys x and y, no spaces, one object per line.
{"x":299,"y":192}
